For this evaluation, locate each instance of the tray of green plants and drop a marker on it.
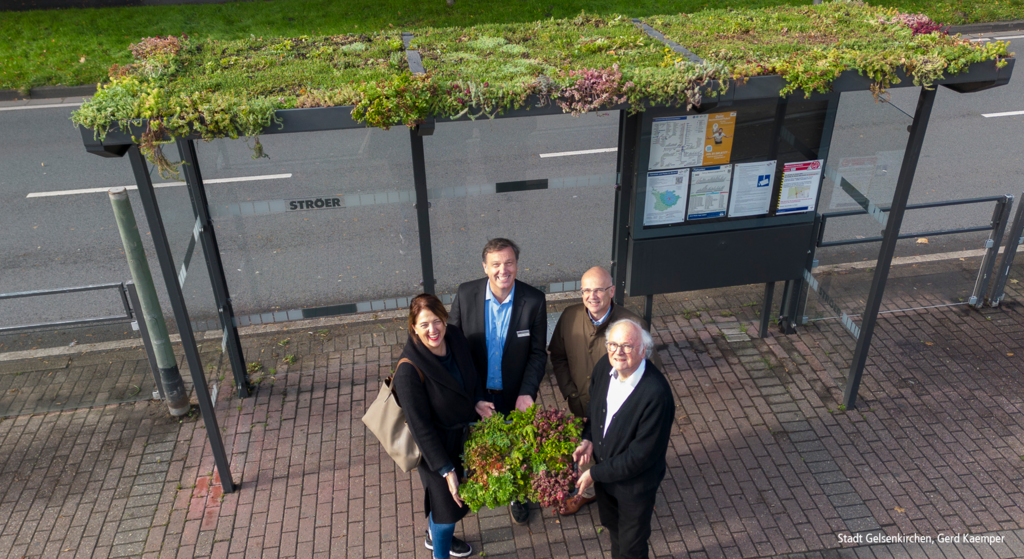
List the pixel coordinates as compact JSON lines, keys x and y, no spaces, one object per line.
{"x":525,"y":456}
{"x":579,"y":64}
{"x":178,"y":87}
{"x":810,"y":46}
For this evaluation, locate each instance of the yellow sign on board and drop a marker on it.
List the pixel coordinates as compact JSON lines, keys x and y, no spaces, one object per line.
{"x":718,"y":138}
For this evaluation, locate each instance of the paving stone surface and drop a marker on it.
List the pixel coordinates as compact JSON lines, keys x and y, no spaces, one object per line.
{"x":762,"y":462}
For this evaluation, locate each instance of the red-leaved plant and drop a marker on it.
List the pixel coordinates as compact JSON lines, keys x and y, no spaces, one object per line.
{"x":593,"y":89}
{"x":920,"y":24}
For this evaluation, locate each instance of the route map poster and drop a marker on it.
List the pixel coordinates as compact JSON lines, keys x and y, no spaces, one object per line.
{"x":666,"y":197}
{"x":720,"y":130}
{"x":800,"y":182}
{"x":677,"y":141}
{"x":752,"y":188}
{"x":709,"y":192}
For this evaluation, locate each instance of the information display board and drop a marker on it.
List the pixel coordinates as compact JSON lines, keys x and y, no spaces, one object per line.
{"x":753,"y":164}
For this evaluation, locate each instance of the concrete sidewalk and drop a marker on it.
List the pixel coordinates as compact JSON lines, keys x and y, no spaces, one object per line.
{"x":763,"y":461}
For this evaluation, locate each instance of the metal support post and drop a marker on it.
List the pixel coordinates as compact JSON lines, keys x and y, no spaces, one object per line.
{"x":419,"y":175}
{"x":140,"y":321}
{"x":766,"y":309}
{"x":188,"y":341}
{"x":885,"y":253}
{"x":1000,"y":216}
{"x":231,"y":344}
{"x":1013,"y":242}
{"x":167,"y":364}
{"x":648,"y":310}
{"x":629,"y":128}
{"x":790,"y":293}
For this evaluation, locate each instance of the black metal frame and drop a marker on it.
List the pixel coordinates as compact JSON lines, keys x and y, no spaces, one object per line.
{"x":118,"y":142}
{"x":211,"y":251}
{"x":892,"y":229}
{"x":188,"y":340}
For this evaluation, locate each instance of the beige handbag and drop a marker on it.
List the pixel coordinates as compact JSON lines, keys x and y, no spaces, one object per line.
{"x":386,"y":420}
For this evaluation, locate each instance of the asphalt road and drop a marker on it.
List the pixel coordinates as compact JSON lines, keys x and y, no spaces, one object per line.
{"x":363,"y":252}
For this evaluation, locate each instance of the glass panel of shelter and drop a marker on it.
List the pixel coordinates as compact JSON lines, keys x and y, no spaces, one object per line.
{"x":325,"y":225}
{"x":180,"y":221}
{"x":547,"y":183}
{"x":866,"y":154}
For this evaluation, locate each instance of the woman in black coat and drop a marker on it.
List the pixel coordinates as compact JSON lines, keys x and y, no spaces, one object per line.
{"x":437,"y":410}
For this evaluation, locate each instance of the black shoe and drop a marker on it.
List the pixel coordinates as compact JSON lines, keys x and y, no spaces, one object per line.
{"x":459,"y":547}
{"x":520,"y":512}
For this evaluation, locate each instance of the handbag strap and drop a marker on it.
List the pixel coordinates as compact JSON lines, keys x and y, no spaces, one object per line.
{"x":406,"y":360}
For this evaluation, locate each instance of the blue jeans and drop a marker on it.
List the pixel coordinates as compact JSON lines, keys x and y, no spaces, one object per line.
{"x":441,"y":535}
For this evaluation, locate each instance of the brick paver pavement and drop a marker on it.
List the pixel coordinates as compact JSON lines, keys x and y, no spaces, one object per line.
{"x":762,"y":461}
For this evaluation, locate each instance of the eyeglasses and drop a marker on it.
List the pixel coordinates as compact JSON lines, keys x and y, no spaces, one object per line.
{"x":588,"y":292}
{"x":613,"y":347}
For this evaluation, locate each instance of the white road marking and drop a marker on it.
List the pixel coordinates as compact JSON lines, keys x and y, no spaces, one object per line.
{"x":581,"y":152}
{"x":1007,"y":38}
{"x":1011,"y":113}
{"x":52,"y":106}
{"x":157,"y":185}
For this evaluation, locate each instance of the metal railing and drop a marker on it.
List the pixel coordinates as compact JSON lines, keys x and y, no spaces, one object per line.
{"x":119,"y":287}
{"x":1014,"y":238}
{"x":129,"y":301}
{"x":997,"y":226}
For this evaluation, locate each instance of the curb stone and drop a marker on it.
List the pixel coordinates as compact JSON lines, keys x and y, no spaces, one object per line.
{"x":987,"y":27}
{"x":49,"y":92}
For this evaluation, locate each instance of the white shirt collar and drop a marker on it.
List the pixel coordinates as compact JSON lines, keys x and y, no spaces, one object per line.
{"x":633,"y":379}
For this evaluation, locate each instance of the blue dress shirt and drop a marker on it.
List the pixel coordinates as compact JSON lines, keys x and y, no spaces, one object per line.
{"x":498,"y":316}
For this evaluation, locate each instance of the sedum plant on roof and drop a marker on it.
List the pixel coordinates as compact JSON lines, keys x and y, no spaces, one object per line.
{"x":215,"y":89}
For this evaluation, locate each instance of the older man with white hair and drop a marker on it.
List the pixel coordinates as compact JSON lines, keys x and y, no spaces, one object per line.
{"x":630,"y":416}
{"x":577,"y":344}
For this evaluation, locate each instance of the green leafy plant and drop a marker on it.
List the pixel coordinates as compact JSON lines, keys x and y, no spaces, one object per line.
{"x":524,"y":456}
{"x":179,"y":86}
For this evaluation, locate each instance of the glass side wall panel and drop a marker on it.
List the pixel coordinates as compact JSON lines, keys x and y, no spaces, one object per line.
{"x":547,"y":183}
{"x":325,"y":223}
{"x":863,"y":164}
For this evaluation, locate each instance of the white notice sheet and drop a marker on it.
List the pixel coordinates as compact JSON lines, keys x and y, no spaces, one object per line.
{"x":677,"y":141}
{"x":752,"y":188}
{"x":709,"y":192}
{"x":800,"y":182}
{"x":666,"y":197}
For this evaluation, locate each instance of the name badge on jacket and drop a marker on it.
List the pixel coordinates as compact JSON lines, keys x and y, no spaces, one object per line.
{"x":523,"y":333}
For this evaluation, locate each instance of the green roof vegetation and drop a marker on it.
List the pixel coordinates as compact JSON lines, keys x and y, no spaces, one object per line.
{"x":232,"y":88}
{"x":76,"y":46}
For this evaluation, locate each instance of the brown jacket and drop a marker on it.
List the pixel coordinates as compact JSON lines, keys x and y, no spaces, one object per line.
{"x":576,"y":346}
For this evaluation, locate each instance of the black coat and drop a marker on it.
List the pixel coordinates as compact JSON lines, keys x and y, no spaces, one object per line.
{"x":437,"y":411}
{"x":630,"y":461}
{"x":524,"y":358}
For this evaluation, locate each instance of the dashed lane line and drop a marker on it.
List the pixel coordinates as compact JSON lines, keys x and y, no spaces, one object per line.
{"x":157,"y":185}
{"x":580,"y":152}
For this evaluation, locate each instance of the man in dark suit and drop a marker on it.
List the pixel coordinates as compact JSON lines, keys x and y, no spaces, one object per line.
{"x":630,"y":418}
{"x":505,"y":321}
